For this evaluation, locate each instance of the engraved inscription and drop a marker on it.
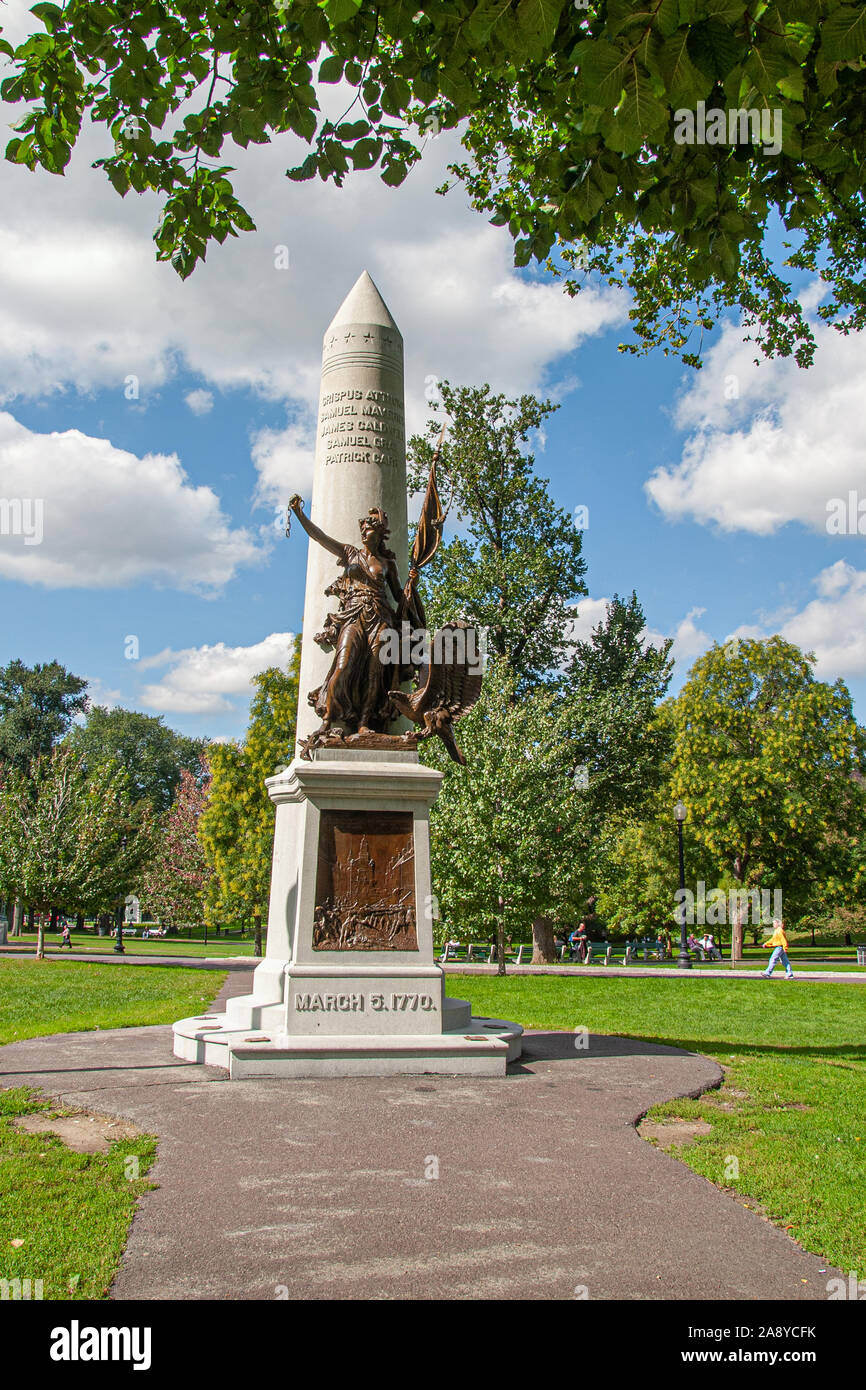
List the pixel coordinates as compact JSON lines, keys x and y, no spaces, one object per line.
{"x":358,"y":1003}
{"x":360,"y":426}
{"x":365,"y":883}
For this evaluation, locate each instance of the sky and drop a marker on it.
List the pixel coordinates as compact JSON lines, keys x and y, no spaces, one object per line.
{"x":161,"y":426}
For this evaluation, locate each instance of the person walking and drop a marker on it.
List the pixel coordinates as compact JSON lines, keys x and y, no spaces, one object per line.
{"x":66,"y":937}
{"x":778,"y":945}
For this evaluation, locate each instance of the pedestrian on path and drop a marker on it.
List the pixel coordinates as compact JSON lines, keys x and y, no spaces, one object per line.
{"x":778,"y":943}
{"x":66,"y":937}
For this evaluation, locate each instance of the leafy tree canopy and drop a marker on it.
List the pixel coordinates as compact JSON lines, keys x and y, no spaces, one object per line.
{"x":37,"y":706}
{"x":764,"y":758}
{"x":237,"y":826}
{"x":175,"y":881}
{"x":517,"y":567}
{"x":567,"y":111}
{"x":614,"y":684}
{"x":153,"y":756}
{"x":70,"y":835}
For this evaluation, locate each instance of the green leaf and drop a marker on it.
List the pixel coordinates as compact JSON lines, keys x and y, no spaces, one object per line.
{"x":603,"y":72}
{"x":668,"y":17}
{"x":843,"y":34}
{"x":713,"y":48}
{"x":339,"y":11}
{"x":792,"y":86}
{"x":685,"y":85}
{"x":484,"y":19}
{"x":395,"y":173}
{"x":353,"y":130}
{"x":538,"y":21}
{"x":640,"y":116}
{"x":304,"y":171}
{"x":331,"y":70}
{"x":49,"y":14}
{"x":366,"y":153}
{"x":767,"y":68}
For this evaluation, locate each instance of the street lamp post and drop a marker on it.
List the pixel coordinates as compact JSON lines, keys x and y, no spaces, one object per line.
{"x":119,"y":916}
{"x":684,"y":962}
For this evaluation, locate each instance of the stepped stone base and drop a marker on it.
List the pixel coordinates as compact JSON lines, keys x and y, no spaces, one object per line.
{"x":470,"y":1047}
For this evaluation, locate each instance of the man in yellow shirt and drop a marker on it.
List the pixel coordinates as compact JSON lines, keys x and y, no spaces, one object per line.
{"x":779,"y":944}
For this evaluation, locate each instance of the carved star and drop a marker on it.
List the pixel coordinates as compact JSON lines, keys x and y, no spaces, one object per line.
{"x":348,"y":336}
{"x":368,"y":337}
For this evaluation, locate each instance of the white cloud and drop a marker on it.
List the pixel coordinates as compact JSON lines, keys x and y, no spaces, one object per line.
{"x":111,"y":519}
{"x":779,"y":449}
{"x":83,"y":304}
{"x":833,"y":625}
{"x":589,"y":612}
{"x":284,"y":463}
{"x":199,"y":680}
{"x":689,"y":639}
{"x":200,"y":402}
{"x":100,"y":694}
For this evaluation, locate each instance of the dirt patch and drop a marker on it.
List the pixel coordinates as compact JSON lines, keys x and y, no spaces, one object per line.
{"x":83,"y":1132}
{"x":673,"y":1133}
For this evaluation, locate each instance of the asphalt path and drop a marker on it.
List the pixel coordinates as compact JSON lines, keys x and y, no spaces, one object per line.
{"x":535,"y":1185}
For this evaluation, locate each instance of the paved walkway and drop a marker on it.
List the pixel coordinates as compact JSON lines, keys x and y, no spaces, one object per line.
{"x":244,"y":963}
{"x":325,"y":1189}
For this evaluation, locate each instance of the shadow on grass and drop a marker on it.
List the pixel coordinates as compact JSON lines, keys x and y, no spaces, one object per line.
{"x":561,"y":1046}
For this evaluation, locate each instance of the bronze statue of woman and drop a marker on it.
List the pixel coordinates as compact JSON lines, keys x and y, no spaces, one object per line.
{"x":355,"y":691}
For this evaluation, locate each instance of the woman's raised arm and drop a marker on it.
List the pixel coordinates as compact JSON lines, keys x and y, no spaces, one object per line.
{"x":296,"y":504}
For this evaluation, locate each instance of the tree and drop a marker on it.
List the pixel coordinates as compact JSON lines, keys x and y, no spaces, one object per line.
{"x":764,"y":757}
{"x":70,"y":835}
{"x":638,"y":867}
{"x":507,"y":832}
{"x":615,"y":682}
{"x":518,"y":568}
{"x":237,"y":827}
{"x":572,"y":117}
{"x":37,"y":706}
{"x":175,"y":881}
{"x":154,"y":756}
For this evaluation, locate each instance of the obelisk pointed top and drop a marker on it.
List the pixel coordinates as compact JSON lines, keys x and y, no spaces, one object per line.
{"x":363,"y":304}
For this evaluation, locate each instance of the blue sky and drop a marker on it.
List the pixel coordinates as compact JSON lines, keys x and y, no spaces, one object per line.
{"x":163,"y":423}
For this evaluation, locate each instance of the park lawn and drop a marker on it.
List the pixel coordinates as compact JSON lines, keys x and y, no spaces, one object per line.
{"x":792,"y":1109}
{"x":41,"y":997}
{"x":72,"y":1211}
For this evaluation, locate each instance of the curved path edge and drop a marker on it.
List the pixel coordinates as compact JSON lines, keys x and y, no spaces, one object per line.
{"x":533,"y":1186}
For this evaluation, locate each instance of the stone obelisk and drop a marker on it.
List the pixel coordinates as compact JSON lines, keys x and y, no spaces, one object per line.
{"x":349,"y":985}
{"x":360,"y":456}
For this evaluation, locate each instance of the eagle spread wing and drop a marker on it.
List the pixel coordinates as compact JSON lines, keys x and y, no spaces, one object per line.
{"x":449,"y":684}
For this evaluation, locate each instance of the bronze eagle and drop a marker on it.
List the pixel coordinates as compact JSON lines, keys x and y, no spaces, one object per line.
{"x":449,"y":684}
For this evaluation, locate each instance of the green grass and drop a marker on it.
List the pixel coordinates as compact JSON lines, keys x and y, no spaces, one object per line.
{"x":40,"y":997}
{"x":792,"y":1110}
{"x":72,"y":1211}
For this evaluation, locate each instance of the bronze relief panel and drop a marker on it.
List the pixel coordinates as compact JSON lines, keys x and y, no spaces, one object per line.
{"x":365,"y":883}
